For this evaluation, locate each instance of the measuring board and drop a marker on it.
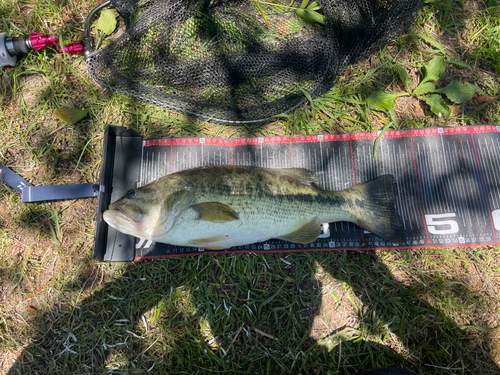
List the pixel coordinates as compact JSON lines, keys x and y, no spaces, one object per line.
{"x":448,"y":183}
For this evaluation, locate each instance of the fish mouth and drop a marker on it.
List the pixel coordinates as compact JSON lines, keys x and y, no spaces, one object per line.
{"x":116,"y":209}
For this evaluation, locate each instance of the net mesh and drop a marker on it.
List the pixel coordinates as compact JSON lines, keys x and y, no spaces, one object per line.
{"x":223,"y":61}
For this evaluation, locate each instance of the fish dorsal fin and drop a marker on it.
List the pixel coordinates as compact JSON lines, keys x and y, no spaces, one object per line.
{"x":215,"y":212}
{"x":302,"y":175}
{"x":305,"y":234}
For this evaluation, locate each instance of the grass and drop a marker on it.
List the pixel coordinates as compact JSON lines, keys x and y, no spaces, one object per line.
{"x":433,"y":311}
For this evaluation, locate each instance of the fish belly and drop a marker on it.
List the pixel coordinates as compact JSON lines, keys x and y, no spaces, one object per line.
{"x":261,"y":224}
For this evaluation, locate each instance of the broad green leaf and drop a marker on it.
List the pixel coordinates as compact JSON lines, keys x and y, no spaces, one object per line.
{"x":71,"y":116}
{"x":311,"y":16}
{"x":424,"y":88}
{"x":382,"y":101}
{"x":403,"y":76}
{"x":437,"y":104}
{"x":458,"y":92}
{"x":107,"y":21}
{"x":434,"y":69}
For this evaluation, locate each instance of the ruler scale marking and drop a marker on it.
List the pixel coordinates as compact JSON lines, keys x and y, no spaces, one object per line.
{"x":478,"y":185}
{"x":494,"y":176}
{"x":490,"y":177}
{"x":412,"y":186}
{"x":492,"y":181}
{"x":456,"y":205}
{"x":435,"y":176}
{"x":461,"y":183}
{"x":468,"y":187}
{"x":482,"y":188}
{"x":402,"y":207}
{"x":406,"y":185}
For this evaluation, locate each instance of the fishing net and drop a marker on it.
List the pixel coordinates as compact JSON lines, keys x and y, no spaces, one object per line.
{"x":242,"y":61}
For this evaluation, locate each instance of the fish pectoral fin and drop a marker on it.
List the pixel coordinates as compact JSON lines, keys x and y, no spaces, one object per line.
{"x":215,"y":212}
{"x":208,"y":240}
{"x":302,"y":175}
{"x":305,"y":234}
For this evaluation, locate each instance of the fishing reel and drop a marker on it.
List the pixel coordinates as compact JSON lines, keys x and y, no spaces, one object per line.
{"x":13,"y":47}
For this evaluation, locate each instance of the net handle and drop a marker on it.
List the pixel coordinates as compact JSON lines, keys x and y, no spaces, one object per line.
{"x":87,"y":40}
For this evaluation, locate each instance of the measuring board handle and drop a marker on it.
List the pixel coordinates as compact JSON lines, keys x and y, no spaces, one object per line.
{"x":32,"y":193}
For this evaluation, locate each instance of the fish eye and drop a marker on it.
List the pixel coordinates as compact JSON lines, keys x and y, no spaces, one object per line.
{"x":131,"y":193}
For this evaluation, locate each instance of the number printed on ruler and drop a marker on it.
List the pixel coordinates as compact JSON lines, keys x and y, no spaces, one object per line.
{"x":437,"y":225}
{"x":495,"y":216}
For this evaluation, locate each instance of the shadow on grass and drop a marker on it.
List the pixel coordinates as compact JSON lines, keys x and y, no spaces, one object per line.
{"x":251,"y":314}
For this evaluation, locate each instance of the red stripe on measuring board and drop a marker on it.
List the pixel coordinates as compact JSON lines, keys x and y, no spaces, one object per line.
{"x":364,"y":135}
{"x":485,"y":129}
{"x":306,"y":138}
{"x":336,"y":137}
{"x":261,"y":141}
{"x":439,"y":131}
{"x":157,"y":142}
{"x":320,"y":138}
{"x":324,"y":138}
{"x":397,"y":134}
{"x":201,"y":141}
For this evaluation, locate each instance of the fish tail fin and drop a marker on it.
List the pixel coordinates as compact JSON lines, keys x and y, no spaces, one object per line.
{"x":373,"y":204}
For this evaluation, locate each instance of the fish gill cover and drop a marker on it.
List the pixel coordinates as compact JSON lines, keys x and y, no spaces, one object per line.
{"x":242,"y":61}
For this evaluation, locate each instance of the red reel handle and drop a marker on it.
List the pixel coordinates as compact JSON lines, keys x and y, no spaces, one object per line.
{"x":75,"y":48}
{"x":39,"y":41}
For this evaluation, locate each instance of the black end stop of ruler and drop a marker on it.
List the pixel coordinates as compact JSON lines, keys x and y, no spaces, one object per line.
{"x":120,"y":172}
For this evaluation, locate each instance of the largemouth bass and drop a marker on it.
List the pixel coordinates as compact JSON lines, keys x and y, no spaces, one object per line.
{"x":221,"y":207}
